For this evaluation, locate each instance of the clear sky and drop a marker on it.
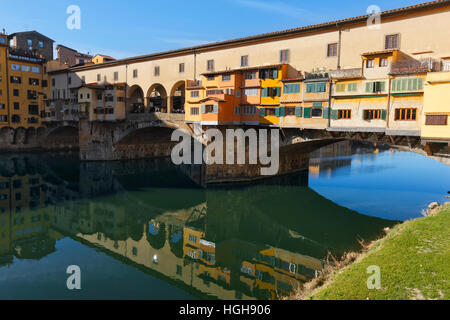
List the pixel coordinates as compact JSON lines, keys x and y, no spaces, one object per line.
{"x":135,"y":27}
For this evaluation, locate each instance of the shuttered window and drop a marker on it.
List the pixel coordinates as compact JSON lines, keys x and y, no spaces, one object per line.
{"x":291,"y":88}
{"x":436,"y":120}
{"x":407,"y":84}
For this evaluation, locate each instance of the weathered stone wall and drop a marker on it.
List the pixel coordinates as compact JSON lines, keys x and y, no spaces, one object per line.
{"x":41,"y":139}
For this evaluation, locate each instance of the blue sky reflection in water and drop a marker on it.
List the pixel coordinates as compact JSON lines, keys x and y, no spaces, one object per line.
{"x":388,"y":184}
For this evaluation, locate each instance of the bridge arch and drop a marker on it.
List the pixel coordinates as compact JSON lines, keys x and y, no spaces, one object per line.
{"x":62,"y":137}
{"x":178,"y":97}
{"x":157,"y":98}
{"x":6,"y":136}
{"x":136,"y":100}
{"x":31,"y":136}
{"x":20,"y":136}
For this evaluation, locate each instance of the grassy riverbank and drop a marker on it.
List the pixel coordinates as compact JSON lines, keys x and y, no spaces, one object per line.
{"x":414,"y":260}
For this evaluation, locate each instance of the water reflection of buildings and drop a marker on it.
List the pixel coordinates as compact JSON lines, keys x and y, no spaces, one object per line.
{"x":325,"y":161}
{"x":226,"y":243}
{"x":23,"y":221}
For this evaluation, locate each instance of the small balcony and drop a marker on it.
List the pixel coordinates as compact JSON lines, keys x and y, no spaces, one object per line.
{"x":343,"y":74}
{"x":415,"y":66}
{"x":193,"y":84}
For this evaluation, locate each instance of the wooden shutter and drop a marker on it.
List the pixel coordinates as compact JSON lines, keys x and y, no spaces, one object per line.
{"x":299,"y":112}
{"x":282,"y":111}
{"x":326,"y":113}
{"x":369,"y":87}
{"x":436,"y":120}
{"x":382,"y":86}
{"x":383,"y":114}
{"x":203,"y":109}
{"x":216,"y":109}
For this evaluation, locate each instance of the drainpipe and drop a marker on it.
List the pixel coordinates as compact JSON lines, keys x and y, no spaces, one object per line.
{"x":339,"y":47}
{"x":195,"y":66}
{"x":329,"y":104}
{"x":126,"y":90}
{"x":7,"y":87}
{"x":388,"y":110}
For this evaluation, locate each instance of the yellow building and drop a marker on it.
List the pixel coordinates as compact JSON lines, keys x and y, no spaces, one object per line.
{"x":360,"y":97}
{"x":102,"y":59}
{"x":105,"y":102}
{"x":406,"y":104}
{"x":195,"y":93}
{"x":316,"y":99}
{"x":436,"y":111}
{"x":23,"y":88}
{"x":292,"y":103}
{"x":4,"y":110}
{"x":271,"y":88}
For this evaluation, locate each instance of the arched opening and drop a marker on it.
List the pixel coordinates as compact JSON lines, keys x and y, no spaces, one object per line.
{"x":136,"y":100}
{"x":19,"y":136}
{"x":157,"y":98}
{"x":176,"y":240}
{"x":31,"y":136}
{"x":178,"y":97}
{"x":6,"y":135}
{"x":156,"y":235}
{"x":62,"y":137}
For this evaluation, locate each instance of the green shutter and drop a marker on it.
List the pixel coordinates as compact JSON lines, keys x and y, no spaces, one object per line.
{"x":369,"y":87}
{"x":382,"y":86}
{"x":334,"y":114}
{"x":404,"y":85}
{"x":297,"y":88}
{"x":395,"y":85}
{"x":298,"y":112}
{"x":410,"y":84}
{"x":282,"y":111}
{"x":275,"y":74}
{"x":325,"y":113}
{"x":420,"y":84}
{"x":383,"y":114}
{"x":264,"y":92}
{"x":277,"y":112}
{"x":317,"y":104}
{"x":307,"y":113}
{"x":278,"y":92}
{"x":262,"y":112}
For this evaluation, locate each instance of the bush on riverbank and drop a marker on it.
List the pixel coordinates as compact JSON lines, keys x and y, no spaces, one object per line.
{"x":414,"y":260}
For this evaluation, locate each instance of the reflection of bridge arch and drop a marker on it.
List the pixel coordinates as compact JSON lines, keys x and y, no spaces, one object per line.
{"x":156,"y":235}
{"x":136,"y":102}
{"x":157,"y":98}
{"x":178,"y":97}
{"x":176,"y":241}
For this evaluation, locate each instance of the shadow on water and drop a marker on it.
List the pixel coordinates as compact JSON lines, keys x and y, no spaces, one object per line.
{"x":254,"y":241}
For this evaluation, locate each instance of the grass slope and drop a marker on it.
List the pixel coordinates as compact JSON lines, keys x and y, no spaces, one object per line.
{"x":414,"y":260}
